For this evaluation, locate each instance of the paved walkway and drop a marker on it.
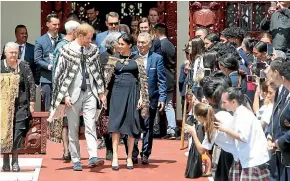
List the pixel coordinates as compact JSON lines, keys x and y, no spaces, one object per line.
{"x":167,"y":163}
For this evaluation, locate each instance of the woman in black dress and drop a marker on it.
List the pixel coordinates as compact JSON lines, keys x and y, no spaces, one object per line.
{"x":24,"y":103}
{"x":112,"y":47}
{"x":129,"y":95}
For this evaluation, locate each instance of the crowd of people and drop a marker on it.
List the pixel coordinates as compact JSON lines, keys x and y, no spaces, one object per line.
{"x":88,"y":76}
{"x":234,"y":89}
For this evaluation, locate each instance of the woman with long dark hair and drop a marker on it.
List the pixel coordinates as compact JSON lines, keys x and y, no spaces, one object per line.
{"x":212,"y":91}
{"x":129,"y":96}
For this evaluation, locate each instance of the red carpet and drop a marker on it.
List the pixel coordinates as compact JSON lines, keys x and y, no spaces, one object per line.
{"x":167,"y":163}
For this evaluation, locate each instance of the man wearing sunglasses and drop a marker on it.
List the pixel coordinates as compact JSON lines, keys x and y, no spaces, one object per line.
{"x":112,"y":22}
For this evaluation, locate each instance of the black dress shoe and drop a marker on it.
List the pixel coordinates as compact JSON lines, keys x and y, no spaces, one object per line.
{"x":66,"y":157}
{"x":135,"y":160}
{"x":109,"y":155}
{"x":169,"y":137}
{"x":15,"y":167}
{"x":144,"y":160}
{"x":6,"y":168}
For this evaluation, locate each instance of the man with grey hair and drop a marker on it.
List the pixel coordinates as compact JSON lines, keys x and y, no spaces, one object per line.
{"x":70,"y":27}
{"x":112,"y":22}
{"x":155,"y":70}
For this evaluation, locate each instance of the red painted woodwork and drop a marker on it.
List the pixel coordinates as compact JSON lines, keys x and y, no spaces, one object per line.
{"x":206,"y":14}
{"x":35,"y":140}
{"x":61,"y":8}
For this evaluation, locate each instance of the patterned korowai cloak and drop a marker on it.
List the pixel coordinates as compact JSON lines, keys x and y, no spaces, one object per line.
{"x":8,"y":94}
{"x":66,"y":69}
{"x":109,"y":70}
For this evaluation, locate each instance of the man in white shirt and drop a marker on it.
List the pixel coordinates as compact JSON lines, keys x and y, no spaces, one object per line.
{"x":250,"y":141}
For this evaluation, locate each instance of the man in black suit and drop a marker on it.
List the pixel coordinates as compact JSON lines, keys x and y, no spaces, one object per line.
{"x":94,"y":21}
{"x":26,"y":50}
{"x":144,"y":26}
{"x":168,"y":52}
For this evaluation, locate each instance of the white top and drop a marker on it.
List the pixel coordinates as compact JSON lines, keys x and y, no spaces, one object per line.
{"x":51,"y":40}
{"x":23,"y":46}
{"x":264,"y":113}
{"x":253,"y":151}
{"x":223,"y":140}
{"x":145,"y":57}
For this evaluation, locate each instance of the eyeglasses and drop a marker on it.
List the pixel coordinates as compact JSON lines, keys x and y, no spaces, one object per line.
{"x":114,"y":23}
{"x":141,"y":42}
{"x":15,"y":53}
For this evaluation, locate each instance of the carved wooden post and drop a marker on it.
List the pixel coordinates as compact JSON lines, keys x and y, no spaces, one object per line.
{"x":36,"y":137}
{"x":206,"y":14}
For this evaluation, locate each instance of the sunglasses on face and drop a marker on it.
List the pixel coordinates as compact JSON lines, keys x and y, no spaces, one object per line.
{"x":115,"y":23}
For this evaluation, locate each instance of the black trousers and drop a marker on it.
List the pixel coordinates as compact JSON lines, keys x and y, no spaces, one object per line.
{"x":147,"y":140}
{"x":46,"y":91}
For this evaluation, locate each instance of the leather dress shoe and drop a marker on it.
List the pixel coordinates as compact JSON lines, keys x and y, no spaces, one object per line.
{"x":135,"y":161}
{"x":170,"y":137}
{"x":15,"y":167}
{"x":145,"y":160}
{"x":66,"y":157}
{"x":6,"y":168}
{"x":109,"y":155}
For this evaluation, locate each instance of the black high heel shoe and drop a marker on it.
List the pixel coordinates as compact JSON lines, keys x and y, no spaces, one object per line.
{"x":129,"y":167}
{"x":116,"y":168}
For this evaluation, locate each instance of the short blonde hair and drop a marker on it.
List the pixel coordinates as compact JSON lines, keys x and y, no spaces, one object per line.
{"x":84,"y":29}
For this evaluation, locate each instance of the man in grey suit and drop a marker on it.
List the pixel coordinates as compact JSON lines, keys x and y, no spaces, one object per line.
{"x":43,"y":56}
{"x":168,"y":52}
{"x":78,"y":79}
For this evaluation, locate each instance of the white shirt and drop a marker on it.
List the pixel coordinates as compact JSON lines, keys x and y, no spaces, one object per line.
{"x":22,"y":51}
{"x":253,"y":151}
{"x":145,"y":58}
{"x":223,"y":140}
{"x":264,"y":113}
{"x":52,"y":42}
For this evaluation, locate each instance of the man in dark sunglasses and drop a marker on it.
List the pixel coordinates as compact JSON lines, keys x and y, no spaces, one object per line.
{"x":112,"y":22}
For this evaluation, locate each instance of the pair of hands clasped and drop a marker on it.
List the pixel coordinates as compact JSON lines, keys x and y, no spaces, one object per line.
{"x":102,"y":97}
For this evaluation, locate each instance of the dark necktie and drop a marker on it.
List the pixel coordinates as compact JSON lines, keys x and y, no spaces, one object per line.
{"x":54,"y":39}
{"x":20,"y":51}
{"x":83,"y":64}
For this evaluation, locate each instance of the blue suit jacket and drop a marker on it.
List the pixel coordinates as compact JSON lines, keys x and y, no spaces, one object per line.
{"x":284,"y":140}
{"x":156,"y":78}
{"x":43,"y":47}
{"x":99,"y":39}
